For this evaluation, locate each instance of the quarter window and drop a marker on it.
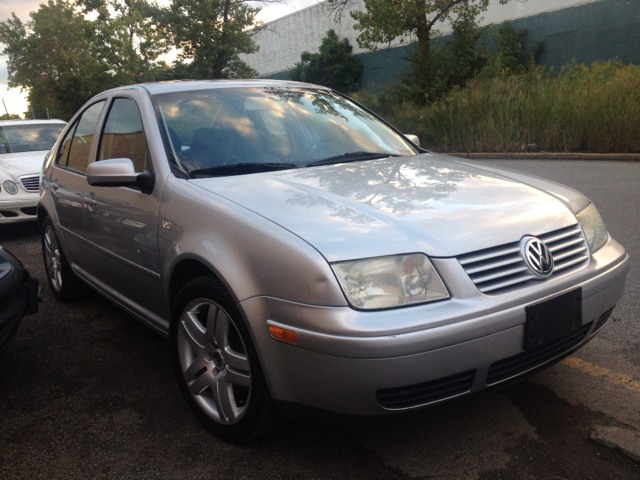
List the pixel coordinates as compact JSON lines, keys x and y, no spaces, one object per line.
{"x":123,"y":136}
{"x":74,"y":151}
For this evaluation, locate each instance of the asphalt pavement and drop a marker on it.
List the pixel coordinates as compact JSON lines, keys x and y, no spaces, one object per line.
{"x":88,"y":392}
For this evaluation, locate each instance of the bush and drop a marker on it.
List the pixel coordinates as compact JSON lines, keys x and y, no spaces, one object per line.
{"x":582,"y":109}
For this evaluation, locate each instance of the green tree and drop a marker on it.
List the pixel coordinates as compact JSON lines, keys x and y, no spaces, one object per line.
{"x":385,"y":20}
{"x":61,"y":59}
{"x":54,"y":58}
{"x":213,"y":34}
{"x":333,"y":66}
{"x":130,"y":37}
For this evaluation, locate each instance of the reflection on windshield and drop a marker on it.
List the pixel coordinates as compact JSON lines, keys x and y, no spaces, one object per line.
{"x":28,"y":138}
{"x":270,"y":125}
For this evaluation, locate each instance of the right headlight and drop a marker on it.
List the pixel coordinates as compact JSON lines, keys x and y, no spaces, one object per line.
{"x":593,"y":227}
{"x":10,"y":187}
{"x":393,"y":281}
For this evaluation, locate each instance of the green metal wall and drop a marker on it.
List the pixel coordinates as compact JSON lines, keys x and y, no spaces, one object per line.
{"x":597,"y":31}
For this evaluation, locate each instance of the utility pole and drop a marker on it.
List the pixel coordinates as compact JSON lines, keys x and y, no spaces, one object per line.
{"x":5,"y":108}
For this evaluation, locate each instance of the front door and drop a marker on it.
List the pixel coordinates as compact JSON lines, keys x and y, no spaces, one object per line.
{"x":121,"y":223}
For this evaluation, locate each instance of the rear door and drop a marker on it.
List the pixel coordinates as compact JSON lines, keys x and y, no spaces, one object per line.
{"x":68,"y":180}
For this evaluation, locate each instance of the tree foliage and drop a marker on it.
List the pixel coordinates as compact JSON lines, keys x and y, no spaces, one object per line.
{"x":386,"y":20}
{"x":54,"y":58}
{"x":333,"y":66}
{"x":130,"y":38}
{"x":61,"y":59}
{"x":213,"y":34}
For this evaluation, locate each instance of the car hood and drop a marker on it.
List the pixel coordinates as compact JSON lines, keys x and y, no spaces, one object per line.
{"x":24,"y":163}
{"x":427,"y":203}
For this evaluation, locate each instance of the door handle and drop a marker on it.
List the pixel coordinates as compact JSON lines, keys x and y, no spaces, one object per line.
{"x":90,"y":201}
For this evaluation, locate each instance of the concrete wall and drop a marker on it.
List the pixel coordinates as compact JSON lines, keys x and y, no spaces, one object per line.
{"x":587,"y":30}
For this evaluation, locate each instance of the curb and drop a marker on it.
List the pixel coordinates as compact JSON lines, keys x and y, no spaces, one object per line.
{"x":624,"y":157}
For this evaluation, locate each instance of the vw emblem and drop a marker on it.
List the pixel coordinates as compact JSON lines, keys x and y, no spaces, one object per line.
{"x":538,"y":257}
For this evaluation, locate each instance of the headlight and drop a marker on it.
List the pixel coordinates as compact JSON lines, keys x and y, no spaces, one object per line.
{"x":10,"y":187}
{"x":385,"y":282}
{"x":593,"y":227}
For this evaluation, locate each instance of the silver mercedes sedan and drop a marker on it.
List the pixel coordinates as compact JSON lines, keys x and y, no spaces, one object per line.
{"x":297,"y":250}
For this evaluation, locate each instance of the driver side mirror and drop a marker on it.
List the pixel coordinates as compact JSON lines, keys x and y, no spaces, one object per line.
{"x":118,"y":172}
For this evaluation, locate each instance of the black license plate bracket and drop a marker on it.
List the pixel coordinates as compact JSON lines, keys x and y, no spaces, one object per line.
{"x":552,"y":319}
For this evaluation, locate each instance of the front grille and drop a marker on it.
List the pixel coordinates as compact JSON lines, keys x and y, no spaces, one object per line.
{"x":31,"y":183}
{"x":530,"y":360}
{"x":428,"y":392}
{"x":8,"y":214}
{"x":499,"y":269}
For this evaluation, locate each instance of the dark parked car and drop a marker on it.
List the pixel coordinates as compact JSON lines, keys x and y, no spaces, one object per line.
{"x":19,"y":292}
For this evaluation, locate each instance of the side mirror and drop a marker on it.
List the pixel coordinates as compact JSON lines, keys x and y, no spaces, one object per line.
{"x":118,"y":172}
{"x":413,"y":139}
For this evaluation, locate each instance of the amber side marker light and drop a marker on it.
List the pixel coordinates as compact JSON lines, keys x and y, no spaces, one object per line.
{"x":282,"y":334}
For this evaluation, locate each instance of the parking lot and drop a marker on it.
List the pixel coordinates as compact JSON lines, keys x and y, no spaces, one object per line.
{"x":88,"y":392}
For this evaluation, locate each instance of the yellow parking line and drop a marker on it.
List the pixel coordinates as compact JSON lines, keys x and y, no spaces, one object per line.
{"x":626,"y":381}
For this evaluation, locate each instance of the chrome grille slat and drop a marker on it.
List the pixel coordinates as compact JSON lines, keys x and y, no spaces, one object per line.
{"x":500,"y":274}
{"x":481,"y":256}
{"x":502,"y":268}
{"x":491,"y":266}
{"x":575,"y":251}
{"x":31,"y":183}
{"x":519,"y":279}
{"x":562,"y":266}
{"x":560,"y":234}
{"x":555,"y":248}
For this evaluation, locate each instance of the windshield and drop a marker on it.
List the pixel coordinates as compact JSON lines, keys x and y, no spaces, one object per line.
{"x":29,"y":138}
{"x":293,"y":127}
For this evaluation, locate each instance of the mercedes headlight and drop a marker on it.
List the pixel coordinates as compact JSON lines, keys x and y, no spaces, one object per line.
{"x":593,"y":227}
{"x":10,"y":187}
{"x":393,"y":281}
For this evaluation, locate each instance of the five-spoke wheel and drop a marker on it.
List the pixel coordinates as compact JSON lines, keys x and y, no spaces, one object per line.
{"x":65,"y":285}
{"x":214,"y":361}
{"x":216,"y":365}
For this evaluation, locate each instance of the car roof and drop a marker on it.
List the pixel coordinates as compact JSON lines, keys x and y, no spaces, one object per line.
{"x":7,"y":123}
{"x":184,"y":85}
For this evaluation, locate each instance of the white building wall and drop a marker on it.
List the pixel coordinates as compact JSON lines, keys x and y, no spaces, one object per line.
{"x":284,"y":39}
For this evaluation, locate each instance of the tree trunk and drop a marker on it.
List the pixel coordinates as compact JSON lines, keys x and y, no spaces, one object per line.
{"x":423,"y":32}
{"x":221,"y":58}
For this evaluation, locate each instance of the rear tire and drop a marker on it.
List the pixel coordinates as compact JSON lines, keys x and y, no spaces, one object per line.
{"x":216,"y":363}
{"x":64,"y":284}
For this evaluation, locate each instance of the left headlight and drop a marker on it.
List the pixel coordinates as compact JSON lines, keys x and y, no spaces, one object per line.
{"x":392,"y":281}
{"x":593,"y":227}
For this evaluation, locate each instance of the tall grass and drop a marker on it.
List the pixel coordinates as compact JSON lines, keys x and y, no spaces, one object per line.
{"x":583,"y":108}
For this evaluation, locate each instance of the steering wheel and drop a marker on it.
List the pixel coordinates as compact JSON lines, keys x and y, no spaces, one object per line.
{"x":314,"y":143}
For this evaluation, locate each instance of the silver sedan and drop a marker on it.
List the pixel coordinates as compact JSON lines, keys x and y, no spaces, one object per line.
{"x":299,"y":251}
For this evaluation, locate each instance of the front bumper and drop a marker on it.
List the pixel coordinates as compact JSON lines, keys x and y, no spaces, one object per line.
{"x":370,"y":363}
{"x":19,"y":208}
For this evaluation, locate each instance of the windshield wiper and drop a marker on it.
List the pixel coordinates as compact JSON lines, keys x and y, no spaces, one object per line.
{"x":351,"y":157}
{"x":241,"y":169}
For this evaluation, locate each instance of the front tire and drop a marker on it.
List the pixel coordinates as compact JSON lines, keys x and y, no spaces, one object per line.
{"x":216,"y":364}
{"x":65,"y":285}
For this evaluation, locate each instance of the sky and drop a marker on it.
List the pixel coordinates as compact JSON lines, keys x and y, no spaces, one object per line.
{"x":16,"y":101}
